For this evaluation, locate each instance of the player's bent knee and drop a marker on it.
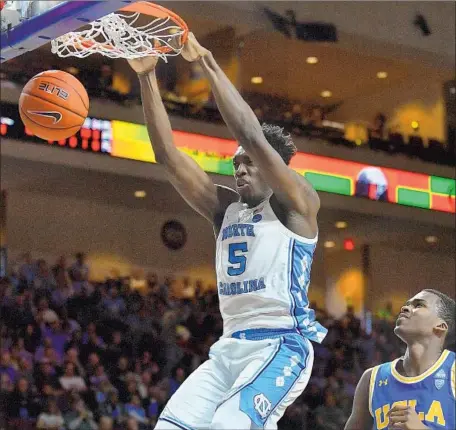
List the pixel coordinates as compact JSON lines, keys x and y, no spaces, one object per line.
{"x":228,"y":416}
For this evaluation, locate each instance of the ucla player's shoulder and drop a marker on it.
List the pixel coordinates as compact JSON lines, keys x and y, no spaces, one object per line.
{"x":368,"y":378}
{"x":361,"y":416}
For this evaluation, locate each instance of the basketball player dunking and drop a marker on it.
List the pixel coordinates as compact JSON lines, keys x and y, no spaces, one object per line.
{"x":266,"y":233}
{"x":416,"y":391}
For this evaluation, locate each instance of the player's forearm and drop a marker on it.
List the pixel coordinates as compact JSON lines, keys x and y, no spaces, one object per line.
{"x":236,"y":113}
{"x":157,"y":121}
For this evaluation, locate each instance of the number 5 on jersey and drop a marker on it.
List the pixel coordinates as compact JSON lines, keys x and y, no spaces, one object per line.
{"x":236,"y":258}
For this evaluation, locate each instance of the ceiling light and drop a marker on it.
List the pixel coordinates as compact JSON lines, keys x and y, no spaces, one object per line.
{"x":415,"y":125}
{"x":72,"y":70}
{"x":256,"y":80}
{"x":326,"y":94}
{"x":311,"y":60}
{"x":329,"y":244}
{"x":431,"y":239}
{"x":382,"y":75}
{"x":341,"y":224}
{"x":140,"y":194}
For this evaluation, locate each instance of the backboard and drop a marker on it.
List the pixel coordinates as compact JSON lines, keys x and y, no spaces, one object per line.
{"x":27,"y":25}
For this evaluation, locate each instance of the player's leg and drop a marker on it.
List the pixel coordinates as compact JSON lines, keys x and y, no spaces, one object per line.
{"x":269,"y":383}
{"x":193,"y":405}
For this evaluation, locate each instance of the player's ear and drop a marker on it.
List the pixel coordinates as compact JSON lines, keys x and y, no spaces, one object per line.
{"x":441,"y":328}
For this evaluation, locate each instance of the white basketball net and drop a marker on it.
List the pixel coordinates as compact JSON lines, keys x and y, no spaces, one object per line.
{"x":115,"y":36}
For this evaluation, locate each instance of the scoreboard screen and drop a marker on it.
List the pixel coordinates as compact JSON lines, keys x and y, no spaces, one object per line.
{"x":94,"y":136}
{"x":131,"y":141}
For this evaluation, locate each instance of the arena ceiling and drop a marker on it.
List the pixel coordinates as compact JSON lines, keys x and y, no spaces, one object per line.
{"x":347,"y":68}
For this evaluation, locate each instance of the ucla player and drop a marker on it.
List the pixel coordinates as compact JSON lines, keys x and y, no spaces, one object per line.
{"x":416,"y":391}
{"x":266,"y":233}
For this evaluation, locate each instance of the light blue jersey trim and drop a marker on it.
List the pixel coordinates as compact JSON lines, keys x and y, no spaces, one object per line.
{"x":263,"y":333}
{"x":274,"y":383}
{"x":290,"y":283}
{"x":299,"y":377}
{"x":255,"y":375}
{"x":304,"y":317}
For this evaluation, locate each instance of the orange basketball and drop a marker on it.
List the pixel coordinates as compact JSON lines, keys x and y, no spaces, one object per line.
{"x":54,"y":105}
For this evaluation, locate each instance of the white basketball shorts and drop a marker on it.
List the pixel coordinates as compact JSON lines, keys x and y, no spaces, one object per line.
{"x":247,"y":383}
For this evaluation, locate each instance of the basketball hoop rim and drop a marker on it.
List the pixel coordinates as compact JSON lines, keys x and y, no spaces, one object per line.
{"x":158,"y":11}
{"x":155,"y":11}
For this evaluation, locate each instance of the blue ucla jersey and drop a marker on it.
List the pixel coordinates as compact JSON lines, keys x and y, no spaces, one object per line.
{"x":263,"y":273}
{"x":432,"y":394}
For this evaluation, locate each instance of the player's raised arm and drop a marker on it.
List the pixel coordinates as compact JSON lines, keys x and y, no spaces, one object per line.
{"x":360,"y":418}
{"x":192,"y":182}
{"x":290,"y":188}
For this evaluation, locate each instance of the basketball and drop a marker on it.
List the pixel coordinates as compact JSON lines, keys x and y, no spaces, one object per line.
{"x":53,"y":105}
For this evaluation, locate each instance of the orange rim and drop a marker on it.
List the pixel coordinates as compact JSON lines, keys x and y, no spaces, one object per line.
{"x":155,"y":11}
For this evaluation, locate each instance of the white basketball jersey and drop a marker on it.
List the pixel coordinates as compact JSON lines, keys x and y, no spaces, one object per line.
{"x":263,"y":273}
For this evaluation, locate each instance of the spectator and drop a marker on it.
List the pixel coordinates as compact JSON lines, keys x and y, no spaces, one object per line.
{"x":134,"y":410}
{"x":6,"y":367}
{"x":46,"y":351}
{"x":106,"y":423}
{"x":79,"y":273}
{"x":386,"y":313}
{"x":79,"y":417}
{"x":116,"y":348}
{"x":354,"y":324}
{"x":24,"y":370}
{"x":32,"y":337}
{"x":21,"y":352}
{"x":72,"y":356}
{"x":146,"y":381}
{"x":43,"y":280}
{"x":91,"y":337}
{"x":70,"y":381}
{"x":27,"y":269}
{"x":98,"y":377}
{"x":377,"y":131}
{"x":46,"y":375}
{"x":19,"y":312}
{"x":52,"y":418}
{"x":102,"y":391}
{"x":131,"y":424}
{"x":329,"y":416}
{"x":315,"y":116}
{"x":21,"y":404}
{"x":64,"y":288}
{"x":152,"y":411}
{"x":176,"y":380}
{"x":113,"y":304}
{"x":57,"y":337}
{"x":112,"y":407}
{"x":61,"y":265}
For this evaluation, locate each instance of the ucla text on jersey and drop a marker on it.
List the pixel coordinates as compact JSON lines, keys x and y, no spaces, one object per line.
{"x":263,"y":273}
{"x":432,"y":394}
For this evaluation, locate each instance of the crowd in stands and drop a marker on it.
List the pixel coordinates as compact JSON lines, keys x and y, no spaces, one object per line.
{"x":299,"y":119}
{"x":80,"y":355}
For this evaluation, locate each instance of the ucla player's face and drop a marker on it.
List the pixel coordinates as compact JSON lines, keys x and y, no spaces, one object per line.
{"x":249,"y":183}
{"x":418,"y":318}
